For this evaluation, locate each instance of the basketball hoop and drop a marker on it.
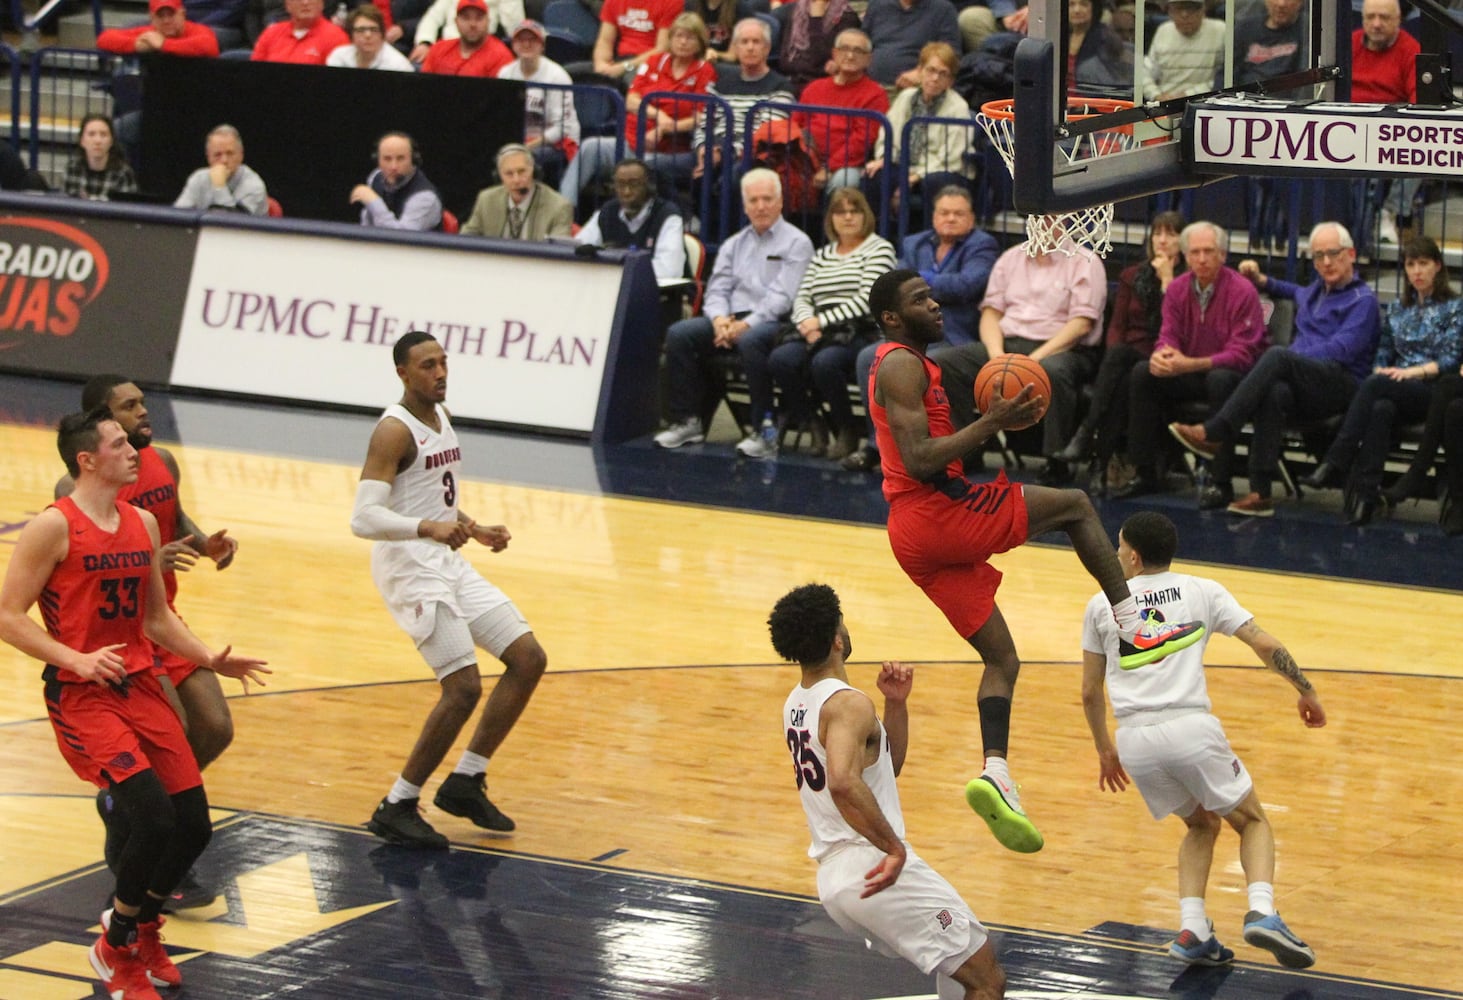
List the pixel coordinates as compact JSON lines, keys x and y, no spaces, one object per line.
{"x":1092,"y":226}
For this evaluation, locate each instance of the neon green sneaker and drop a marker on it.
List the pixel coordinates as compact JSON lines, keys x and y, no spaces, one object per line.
{"x":997,"y":803}
{"x":1155,"y":640}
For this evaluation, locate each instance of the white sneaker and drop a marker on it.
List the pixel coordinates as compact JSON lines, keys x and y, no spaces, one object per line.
{"x":1387,"y":227}
{"x":687,"y":431}
{"x":752,"y":446}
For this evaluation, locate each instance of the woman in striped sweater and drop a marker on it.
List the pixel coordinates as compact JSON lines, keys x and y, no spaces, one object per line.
{"x":813,"y":362}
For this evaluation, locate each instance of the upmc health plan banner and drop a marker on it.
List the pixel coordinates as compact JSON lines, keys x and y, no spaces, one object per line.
{"x":314,"y":318}
{"x":1247,"y":136}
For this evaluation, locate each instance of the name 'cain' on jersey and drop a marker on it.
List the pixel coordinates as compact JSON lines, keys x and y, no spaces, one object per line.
{"x":1175,"y":682}
{"x":800,"y":715}
{"x":427,"y":489}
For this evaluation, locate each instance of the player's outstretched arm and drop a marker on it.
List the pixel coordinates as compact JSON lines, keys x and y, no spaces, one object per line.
{"x":41,"y":546}
{"x":1094,"y":705}
{"x":895,"y":682}
{"x":1275,"y":656}
{"x":848,"y":724}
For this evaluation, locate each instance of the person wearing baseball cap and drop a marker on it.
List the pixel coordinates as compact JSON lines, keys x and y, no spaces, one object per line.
{"x":473,"y":52}
{"x":168,"y":30}
{"x":550,"y":123}
{"x":439,"y":22}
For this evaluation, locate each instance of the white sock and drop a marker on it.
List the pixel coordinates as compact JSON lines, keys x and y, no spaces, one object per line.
{"x":996,"y":767}
{"x":1262,"y":897}
{"x":1125,"y":613}
{"x":403,"y":789}
{"x":471,"y":764}
{"x":1192,"y":917}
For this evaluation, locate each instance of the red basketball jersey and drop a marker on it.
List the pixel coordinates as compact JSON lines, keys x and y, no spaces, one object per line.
{"x":97,"y":595}
{"x":156,"y":491}
{"x":897,"y":481}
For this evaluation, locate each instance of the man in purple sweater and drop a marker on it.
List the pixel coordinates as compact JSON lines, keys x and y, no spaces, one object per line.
{"x":1337,"y":326}
{"x":1213,"y":332}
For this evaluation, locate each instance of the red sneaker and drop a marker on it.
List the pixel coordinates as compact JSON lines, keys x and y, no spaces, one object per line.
{"x":121,"y":971}
{"x":160,"y":968}
{"x":1253,"y":505}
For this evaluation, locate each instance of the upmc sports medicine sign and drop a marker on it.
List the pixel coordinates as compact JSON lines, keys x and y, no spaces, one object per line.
{"x":314,"y":318}
{"x":81,"y":295}
{"x":1275,"y":137}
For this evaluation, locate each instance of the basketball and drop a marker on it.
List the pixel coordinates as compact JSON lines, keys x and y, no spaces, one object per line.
{"x":1013,"y":372}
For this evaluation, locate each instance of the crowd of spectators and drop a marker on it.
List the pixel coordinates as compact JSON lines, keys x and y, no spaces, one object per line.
{"x":1186,"y":332}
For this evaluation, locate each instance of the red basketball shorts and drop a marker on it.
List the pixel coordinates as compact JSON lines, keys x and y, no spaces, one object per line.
{"x":108,"y":734}
{"x":944,"y":541}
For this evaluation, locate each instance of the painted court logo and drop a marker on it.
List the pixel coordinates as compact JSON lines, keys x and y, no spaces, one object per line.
{"x":49,"y":273}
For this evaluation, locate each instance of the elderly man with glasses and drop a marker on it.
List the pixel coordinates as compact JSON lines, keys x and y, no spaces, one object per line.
{"x":843,"y":141}
{"x":1337,"y":327}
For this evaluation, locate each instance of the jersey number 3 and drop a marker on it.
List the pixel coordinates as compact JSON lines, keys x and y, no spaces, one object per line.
{"x":119,"y":597}
{"x":805,"y":763}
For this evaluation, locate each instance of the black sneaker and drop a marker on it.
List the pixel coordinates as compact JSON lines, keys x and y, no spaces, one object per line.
{"x":117,"y":828}
{"x":465,"y":795}
{"x":401,"y":823}
{"x":189,"y":895}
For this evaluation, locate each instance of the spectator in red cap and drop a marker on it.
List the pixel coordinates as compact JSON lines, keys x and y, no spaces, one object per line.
{"x":438,"y":23}
{"x":168,"y":30}
{"x":473,"y":52}
{"x":308,"y":37}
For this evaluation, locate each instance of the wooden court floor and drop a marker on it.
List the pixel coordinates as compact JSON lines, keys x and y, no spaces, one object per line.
{"x":654,"y":740}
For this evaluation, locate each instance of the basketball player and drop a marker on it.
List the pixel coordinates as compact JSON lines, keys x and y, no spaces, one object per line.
{"x":407,"y":503}
{"x":93,"y":563}
{"x":944,"y":528}
{"x":869,"y":879}
{"x":1176,"y":752}
{"x":196,"y":693}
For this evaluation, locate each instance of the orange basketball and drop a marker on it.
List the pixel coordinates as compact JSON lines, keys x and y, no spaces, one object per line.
{"x":1012,"y":372}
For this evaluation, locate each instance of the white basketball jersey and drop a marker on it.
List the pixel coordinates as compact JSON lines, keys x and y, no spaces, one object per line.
{"x":810,"y":763}
{"x":427,"y":489}
{"x":1175,"y":682}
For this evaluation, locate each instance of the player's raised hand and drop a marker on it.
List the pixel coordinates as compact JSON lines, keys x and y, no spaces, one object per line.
{"x":895,"y":680}
{"x":179,"y":555}
{"x":220,"y":548}
{"x":885,"y":874}
{"x":104,"y":666}
{"x":1020,"y":410}
{"x":245,"y":668}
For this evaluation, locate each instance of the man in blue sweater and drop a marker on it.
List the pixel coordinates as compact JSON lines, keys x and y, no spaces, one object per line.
{"x":1337,"y":327}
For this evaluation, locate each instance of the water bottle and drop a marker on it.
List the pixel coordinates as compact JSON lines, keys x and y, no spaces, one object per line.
{"x":1201,"y":479}
{"x":769,"y":440}
{"x":341,"y":13}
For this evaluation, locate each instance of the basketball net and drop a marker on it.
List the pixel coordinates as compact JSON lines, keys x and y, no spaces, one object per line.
{"x":1089,"y":227}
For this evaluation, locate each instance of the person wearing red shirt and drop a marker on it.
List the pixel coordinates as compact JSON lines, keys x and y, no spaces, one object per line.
{"x":92,"y":562}
{"x":169,"y":30}
{"x":844,"y":142}
{"x":943,"y":529}
{"x":306,"y":38}
{"x":474,"y":52}
{"x":630,"y":32}
{"x":1383,"y":71}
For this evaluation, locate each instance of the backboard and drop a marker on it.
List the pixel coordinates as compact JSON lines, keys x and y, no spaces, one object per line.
{"x":1288,"y":49}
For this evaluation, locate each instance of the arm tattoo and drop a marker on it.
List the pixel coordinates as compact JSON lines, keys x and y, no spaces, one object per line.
{"x":1286,"y":667}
